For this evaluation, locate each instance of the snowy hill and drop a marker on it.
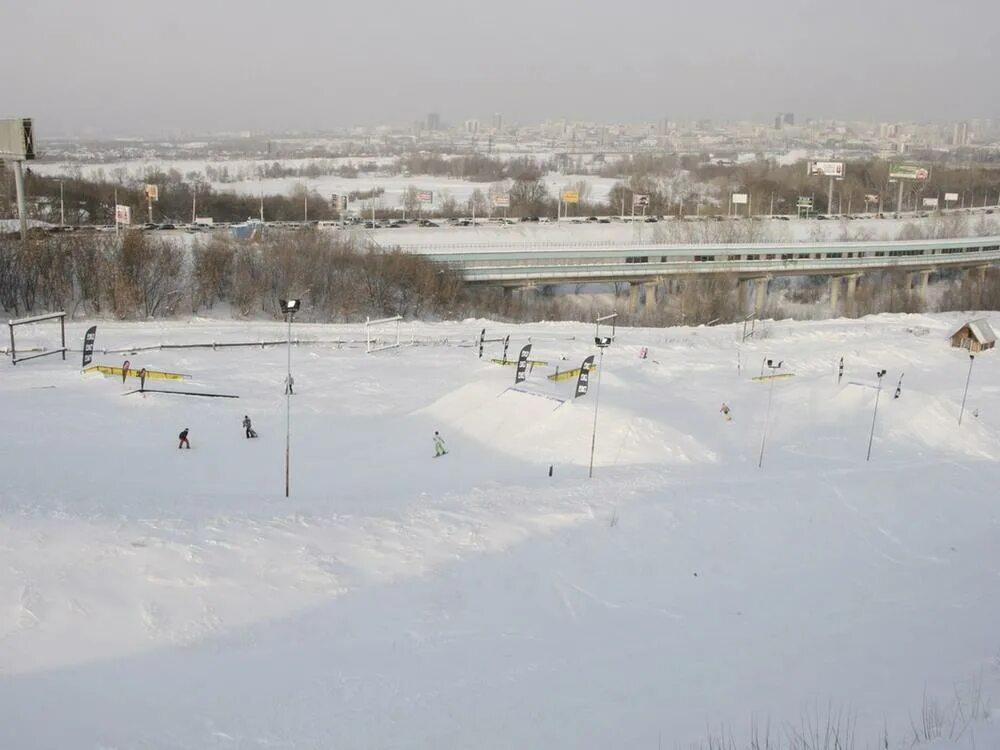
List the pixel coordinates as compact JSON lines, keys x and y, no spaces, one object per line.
{"x":162,"y":598}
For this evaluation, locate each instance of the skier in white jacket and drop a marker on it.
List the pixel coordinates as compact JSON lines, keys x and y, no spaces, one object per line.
{"x":439,"y":449}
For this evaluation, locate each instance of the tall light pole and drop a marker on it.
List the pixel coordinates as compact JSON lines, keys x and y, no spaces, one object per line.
{"x":602,"y":343}
{"x":770,"y":394}
{"x":878,"y":391}
{"x":972,"y":358}
{"x":288,"y":307}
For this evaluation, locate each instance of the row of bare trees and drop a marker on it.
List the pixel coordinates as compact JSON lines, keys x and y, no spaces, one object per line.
{"x":139,"y":276}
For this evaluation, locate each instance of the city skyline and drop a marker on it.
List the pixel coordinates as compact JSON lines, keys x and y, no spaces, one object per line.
{"x":121,"y":68}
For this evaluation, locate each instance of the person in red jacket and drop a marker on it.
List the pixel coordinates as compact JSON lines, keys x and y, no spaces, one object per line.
{"x":184,"y":439}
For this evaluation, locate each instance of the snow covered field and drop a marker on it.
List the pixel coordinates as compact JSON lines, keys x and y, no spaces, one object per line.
{"x":247,"y":183}
{"x":158,"y":598}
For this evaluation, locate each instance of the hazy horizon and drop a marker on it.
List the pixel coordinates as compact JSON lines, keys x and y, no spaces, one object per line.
{"x":119,"y":68}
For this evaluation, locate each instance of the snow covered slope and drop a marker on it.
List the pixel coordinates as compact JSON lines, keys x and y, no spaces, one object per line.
{"x":162,"y":598}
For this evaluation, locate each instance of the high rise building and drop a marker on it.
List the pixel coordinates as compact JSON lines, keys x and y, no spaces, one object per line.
{"x":472,"y":126}
{"x":497,"y":122}
{"x":790,"y":119}
{"x":433,"y":121}
{"x":960,"y":134}
{"x":777,"y":121}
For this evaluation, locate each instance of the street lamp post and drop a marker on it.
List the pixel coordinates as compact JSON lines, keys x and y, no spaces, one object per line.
{"x":288,"y":308}
{"x":972,"y":358}
{"x":770,"y":395}
{"x":880,"y":374}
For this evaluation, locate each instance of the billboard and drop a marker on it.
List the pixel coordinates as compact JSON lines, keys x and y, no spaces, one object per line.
{"x":16,"y":139}
{"x":871,"y":198}
{"x":570,"y":196}
{"x":502,"y":200}
{"x":804,"y":202}
{"x":425,"y":196}
{"x":153,"y":192}
{"x":640,"y":200}
{"x":930,"y":202}
{"x":123,"y":215}
{"x":908,"y":172}
{"x":826,"y":169}
{"x":739,"y":197}
{"x":951,"y":196}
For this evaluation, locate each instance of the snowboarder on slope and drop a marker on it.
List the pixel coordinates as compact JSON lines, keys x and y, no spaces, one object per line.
{"x":289,"y":382}
{"x":439,"y":449}
{"x":125,"y":367}
{"x":142,"y":379}
{"x":251,"y":432}
{"x":725,"y":411}
{"x":184,"y":439}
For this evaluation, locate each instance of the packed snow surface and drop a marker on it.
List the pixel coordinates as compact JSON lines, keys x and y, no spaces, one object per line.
{"x":703,"y":579}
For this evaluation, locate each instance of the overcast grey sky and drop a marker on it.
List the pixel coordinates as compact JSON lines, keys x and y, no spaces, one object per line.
{"x":118,"y":66}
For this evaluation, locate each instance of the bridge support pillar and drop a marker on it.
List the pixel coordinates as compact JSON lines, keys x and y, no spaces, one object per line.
{"x":925,"y":277}
{"x":835,"y":295}
{"x":910,"y":277}
{"x":650,"y":303}
{"x":760,"y":296}
{"x":633,"y":297}
{"x":852,"y":288}
{"x":744,"y":294}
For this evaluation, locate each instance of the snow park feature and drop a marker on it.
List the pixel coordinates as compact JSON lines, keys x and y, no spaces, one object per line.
{"x":159,"y":598}
{"x":38,"y":351}
{"x":382,"y":334}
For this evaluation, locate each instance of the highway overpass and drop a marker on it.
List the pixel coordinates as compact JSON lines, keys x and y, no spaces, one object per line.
{"x":647,"y":264}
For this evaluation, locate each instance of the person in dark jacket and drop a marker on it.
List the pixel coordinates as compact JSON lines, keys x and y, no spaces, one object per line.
{"x":184,"y":439}
{"x":251,"y":432}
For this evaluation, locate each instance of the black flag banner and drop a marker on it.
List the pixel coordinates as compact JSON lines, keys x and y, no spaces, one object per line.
{"x":583,"y":382}
{"x":522,"y":364}
{"x":88,"y":345}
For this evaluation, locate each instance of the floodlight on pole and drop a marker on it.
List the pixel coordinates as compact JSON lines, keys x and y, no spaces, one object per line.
{"x":972,"y":358}
{"x":602,"y":343}
{"x":770,"y":395}
{"x":878,"y":392}
{"x":288,"y":308}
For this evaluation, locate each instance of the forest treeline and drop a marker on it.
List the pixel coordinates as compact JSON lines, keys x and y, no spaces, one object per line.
{"x":139,"y":276}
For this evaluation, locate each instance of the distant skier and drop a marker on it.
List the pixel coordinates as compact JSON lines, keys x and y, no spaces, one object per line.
{"x":184,"y":439}
{"x":289,"y":382}
{"x":142,"y":379}
{"x":251,"y":432}
{"x":125,"y":366}
{"x":439,"y":449}
{"x":725,"y":412}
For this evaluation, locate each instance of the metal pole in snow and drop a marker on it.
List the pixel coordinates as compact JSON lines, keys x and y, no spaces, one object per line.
{"x":972,"y":358}
{"x":878,"y":393}
{"x":597,"y":400}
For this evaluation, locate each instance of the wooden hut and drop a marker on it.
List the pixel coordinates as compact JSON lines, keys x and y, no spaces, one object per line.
{"x":976,"y":336}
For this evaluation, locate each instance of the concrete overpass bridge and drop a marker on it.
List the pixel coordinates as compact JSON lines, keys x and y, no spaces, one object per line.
{"x":646,"y":265}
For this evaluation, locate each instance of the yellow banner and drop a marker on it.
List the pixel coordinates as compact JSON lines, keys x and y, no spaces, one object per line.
{"x":133,"y":372}
{"x":571,"y":196}
{"x":569,"y":374}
